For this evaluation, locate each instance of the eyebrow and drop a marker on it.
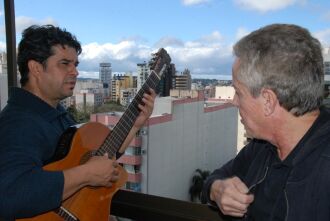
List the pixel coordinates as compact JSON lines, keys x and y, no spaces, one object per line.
{"x":68,"y":60}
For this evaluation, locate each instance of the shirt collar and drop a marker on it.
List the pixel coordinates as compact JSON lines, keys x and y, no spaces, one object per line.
{"x":29,"y":101}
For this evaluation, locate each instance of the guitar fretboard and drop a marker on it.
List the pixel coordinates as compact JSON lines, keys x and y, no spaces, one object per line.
{"x":119,"y":133}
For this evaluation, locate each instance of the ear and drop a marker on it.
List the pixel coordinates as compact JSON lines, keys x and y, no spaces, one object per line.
{"x":269,"y":101}
{"x":35,"y":68}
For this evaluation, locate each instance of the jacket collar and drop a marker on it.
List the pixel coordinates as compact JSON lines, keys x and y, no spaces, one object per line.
{"x":29,"y":101}
{"x":315,"y":136}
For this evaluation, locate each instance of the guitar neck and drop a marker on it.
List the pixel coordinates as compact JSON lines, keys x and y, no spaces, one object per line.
{"x":119,"y":133}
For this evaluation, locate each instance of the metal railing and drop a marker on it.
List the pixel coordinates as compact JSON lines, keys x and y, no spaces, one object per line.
{"x":144,"y":207}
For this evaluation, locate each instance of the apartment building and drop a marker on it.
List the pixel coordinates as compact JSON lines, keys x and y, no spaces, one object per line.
{"x":88,"y":98}
{"x":181,"y":136}
{"x":105,"y":76}
{"x":182,"y":81}
{"x":122,"y":82}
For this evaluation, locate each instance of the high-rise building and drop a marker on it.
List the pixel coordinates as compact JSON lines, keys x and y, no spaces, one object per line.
{"x":182,"y":81}
{"x":143,"y":72}
{"x":105,"y":75}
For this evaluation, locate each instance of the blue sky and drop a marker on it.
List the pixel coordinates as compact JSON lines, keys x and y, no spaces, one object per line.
{"x":198,"y":34}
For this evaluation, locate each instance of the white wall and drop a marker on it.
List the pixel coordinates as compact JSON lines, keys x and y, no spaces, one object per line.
{"x":192,"y":139}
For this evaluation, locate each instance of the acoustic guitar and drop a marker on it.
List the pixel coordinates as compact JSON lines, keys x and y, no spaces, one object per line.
{"x":77,"y":146}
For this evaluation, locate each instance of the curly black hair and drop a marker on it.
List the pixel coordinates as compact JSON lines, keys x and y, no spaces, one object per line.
{"x":36,"y":44}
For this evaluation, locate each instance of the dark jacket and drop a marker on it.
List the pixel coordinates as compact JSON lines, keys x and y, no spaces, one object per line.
{"x":307,"y":192}
{"x":29,"y":132}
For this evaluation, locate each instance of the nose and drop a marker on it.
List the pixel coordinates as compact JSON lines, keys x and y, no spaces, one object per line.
{"x":74,"y":71}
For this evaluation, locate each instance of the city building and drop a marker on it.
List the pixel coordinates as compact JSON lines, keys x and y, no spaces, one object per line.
{"x":182,"y":81}
{"x":197,"y":86}
{"x":105,"y":76}
{"x":181,"y":136}
{"x":88,"y":99}
{"x":209,"y":91}
{"x":85,"y":84}
{"x":143,"y":72}
{"x":184,"y":93}
{"x":68,"y":102}
{"x":88,"y":83}
{"x":127,"y":95}
{"x":224,"y":92}
{"x":122,"y":82}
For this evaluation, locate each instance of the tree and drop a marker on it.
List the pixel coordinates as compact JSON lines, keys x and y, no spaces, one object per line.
{"x":196,"y":186}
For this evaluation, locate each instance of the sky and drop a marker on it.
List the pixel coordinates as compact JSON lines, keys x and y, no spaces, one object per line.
{"x":197,"y":34}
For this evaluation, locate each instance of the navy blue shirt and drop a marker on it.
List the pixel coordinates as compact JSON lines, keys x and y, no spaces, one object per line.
{"x":270,"y":202}
{"x":29,"y":132}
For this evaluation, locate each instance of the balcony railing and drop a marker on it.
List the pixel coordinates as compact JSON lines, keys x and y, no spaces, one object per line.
{"x":144,"y":207}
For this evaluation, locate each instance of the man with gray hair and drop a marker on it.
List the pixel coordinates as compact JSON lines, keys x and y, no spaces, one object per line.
{"x":283,"y":173}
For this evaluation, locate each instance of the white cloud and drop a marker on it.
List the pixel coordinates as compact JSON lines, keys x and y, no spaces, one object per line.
{"x":206,"y":55}
{"x":265,"y":5}
{"x":23,"y":22}
{"x":194,"y":2}
{"x":123,"y":56}
{"x":88,"y":74}
{"x":323,"y":36}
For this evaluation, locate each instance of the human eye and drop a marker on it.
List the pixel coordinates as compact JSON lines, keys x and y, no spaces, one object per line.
{"x":65,"y":62}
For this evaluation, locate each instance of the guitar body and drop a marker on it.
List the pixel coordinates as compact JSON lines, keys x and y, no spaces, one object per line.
{"x":89,"y":203}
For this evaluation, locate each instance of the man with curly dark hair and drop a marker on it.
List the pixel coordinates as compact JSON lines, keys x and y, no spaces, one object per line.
{"x":33,"y":121}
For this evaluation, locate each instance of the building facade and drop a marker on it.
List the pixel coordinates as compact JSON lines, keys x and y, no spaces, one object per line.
{"x":182,"y":81}
{"x":105,"y":76}
{"x":181,"y":136}
{"x":124,"y":82}
{"x":143,"y":72}
{"x":88,"y":99}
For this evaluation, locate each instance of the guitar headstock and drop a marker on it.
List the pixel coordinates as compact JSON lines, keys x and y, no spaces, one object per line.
{"x":159,"y":59}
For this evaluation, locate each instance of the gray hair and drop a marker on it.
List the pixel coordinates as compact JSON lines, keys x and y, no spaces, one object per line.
{"x":286,"y":59}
